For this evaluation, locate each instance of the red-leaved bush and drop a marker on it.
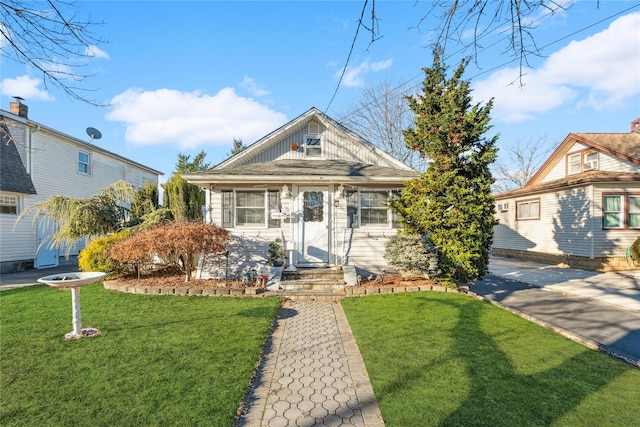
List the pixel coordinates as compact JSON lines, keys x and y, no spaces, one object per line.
{"x":173,"y":241}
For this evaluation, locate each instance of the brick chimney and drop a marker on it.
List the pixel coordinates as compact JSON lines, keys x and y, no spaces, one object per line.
{"x":635,"y":125}
{"x":18,"y":108}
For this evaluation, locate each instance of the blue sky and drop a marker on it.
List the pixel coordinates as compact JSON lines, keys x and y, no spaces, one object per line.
{"x":182,"y":77}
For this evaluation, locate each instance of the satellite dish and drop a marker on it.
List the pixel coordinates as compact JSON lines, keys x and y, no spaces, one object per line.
{"x":93,"y":133}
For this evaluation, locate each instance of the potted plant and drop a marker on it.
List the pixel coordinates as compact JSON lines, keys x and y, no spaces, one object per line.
{"x":276,"y":253}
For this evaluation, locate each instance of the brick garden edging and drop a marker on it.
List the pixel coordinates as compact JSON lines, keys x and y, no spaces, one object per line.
{"x":252,"y":292}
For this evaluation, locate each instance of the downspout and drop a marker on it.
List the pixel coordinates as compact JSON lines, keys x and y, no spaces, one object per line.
{"x":591,"y":221}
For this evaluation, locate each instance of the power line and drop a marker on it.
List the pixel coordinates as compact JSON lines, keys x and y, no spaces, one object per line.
{"x":482,"y":50}
{"x":344,"y":70}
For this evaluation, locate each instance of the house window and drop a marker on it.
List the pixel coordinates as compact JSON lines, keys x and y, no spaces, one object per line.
{"x":367,"y":208}
{"x":227,"y":208}
{"x":274,"y":207}
{"x":574,"y":162}
{"x":612,"y":207}
{"x":590,"y":161}
{"x":313,"y":146}
{"x":528,"y":209}
{"x":373,"y":207}
{"x":84,"y":162}
{"x":634,"y":211}
{"x":621,"y":211}
{"x":250,"y":208}
{"x":8,"y":204}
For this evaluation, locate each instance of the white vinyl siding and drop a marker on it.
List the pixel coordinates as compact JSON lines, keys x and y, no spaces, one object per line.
{"x":53,"y":165}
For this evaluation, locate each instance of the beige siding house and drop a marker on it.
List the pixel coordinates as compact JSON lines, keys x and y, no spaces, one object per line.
{"x":311,"y":183}
{"x":582,"y":208}
{"x":39,"y":162}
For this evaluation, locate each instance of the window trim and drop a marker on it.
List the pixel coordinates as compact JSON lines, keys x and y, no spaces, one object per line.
{"x":584,"y":153}
{"x":229,"y":208}
{"x":87,"y":163}
{"x":317,"y":148}
{"x":354,"y":218}
{"x":15,"y":205}
{"x":624,"y":212}
{"x":528,"y":201}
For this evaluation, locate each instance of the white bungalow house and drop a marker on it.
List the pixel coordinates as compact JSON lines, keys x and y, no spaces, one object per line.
{"x":582,"y":208}
{"x":313,"y":184}
{"x":38,"y":162}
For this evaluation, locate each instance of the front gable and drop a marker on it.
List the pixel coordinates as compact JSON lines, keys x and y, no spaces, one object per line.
{"x":313,"y":136}
{"x":590,"y":154}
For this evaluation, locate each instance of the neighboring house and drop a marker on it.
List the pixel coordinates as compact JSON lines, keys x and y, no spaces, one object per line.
{"x":311,"y":183}
{"x":582,"y":208}
{"x":38,"y":162}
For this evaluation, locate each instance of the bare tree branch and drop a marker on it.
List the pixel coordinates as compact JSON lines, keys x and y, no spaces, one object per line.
{"x":53,"y":39}
{"x":517,"y":165}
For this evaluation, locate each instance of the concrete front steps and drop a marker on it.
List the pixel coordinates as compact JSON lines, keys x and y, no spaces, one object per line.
{"x":322,"y":280}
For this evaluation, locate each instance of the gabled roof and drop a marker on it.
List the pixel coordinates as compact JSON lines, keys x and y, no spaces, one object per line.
{"x":313,"y":114}
{"x":13,"y":175}
{"x":284,"y":170}
{"x":625,"y":146}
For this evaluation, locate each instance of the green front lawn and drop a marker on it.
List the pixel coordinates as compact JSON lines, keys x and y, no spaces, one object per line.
{"x":446,"y":359}
{"x":160,"y":360}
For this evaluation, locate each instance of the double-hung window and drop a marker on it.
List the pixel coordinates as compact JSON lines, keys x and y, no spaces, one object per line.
{"x":84,"y":162}
{"x":528,"y":209}
{"x":8,"y":204}
{"x":250,"y":208}
{"x":367,"y":208}
{"x":621,"y":211}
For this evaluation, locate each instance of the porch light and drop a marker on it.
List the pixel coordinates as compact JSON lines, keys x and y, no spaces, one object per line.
{"x":285,"y":194}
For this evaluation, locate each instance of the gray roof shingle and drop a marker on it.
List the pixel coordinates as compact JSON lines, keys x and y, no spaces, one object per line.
{"x":13,"y":175}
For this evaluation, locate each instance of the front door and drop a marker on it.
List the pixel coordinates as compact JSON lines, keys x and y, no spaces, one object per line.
{"x":314,"y":226}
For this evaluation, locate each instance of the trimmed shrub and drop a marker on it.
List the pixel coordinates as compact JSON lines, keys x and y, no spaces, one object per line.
{"x":96,"y":256}
{"x":413,"y":256}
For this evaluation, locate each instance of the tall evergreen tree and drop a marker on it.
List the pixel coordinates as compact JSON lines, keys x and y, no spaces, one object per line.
{"x":144,"y":201}
{"x":452,"y":200}
{"x":238,"y":147}
{"x":183,"y":199}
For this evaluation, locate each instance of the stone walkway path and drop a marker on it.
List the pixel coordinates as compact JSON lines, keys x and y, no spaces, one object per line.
{"x":312,"y":373}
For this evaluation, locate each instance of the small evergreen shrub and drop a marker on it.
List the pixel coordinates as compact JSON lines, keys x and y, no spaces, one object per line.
{"x":276,"y":252}
{"x":96,"y":256}
{"x":413,"y":256}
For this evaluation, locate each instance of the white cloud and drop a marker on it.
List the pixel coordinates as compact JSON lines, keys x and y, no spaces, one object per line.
{"x":25,"y":87}
{"x":354,"y":76}
{"x":599,"y":72}
{"x":250,"y":85}
{"x":95,"y":52}
{"x":191,"y":119}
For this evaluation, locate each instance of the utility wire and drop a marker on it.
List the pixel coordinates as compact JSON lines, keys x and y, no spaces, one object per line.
{"x":413,"y":87}
{"x":353,"y":43}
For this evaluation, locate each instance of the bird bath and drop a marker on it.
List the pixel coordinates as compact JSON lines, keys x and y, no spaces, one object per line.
{"x":74,"y":281}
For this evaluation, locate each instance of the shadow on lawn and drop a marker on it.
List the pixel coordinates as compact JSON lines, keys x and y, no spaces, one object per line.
{"x":500,"y":395}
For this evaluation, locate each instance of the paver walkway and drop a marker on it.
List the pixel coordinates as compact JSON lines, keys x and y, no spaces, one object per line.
{"x":312,"y":373}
